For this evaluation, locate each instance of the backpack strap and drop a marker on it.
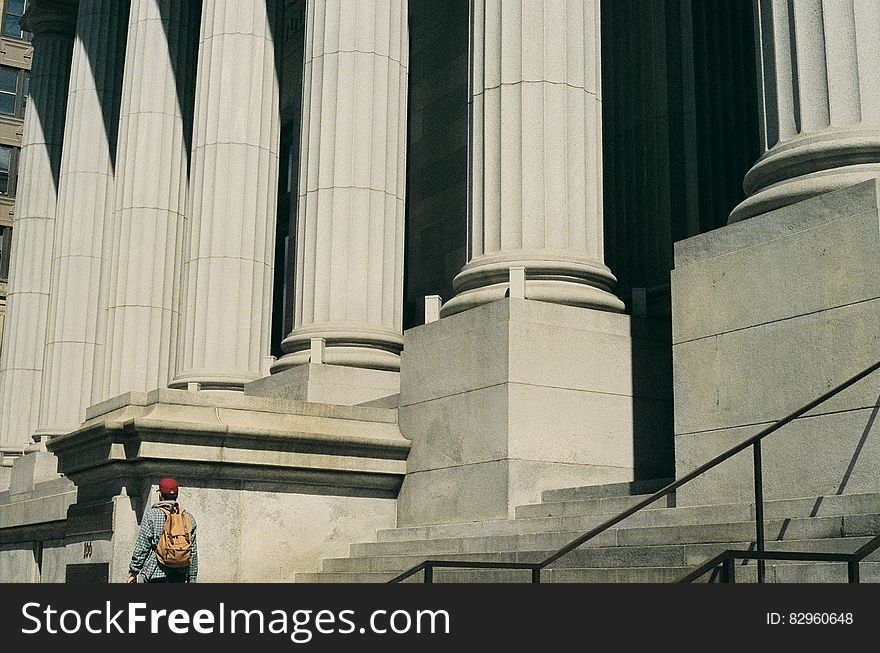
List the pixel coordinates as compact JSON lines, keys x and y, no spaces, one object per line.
{"x":187,"y":521}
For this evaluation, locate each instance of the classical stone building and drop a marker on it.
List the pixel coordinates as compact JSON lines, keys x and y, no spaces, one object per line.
{"x":433,"y":272}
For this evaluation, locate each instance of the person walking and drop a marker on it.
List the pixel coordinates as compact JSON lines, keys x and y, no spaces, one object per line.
{"x":165,"y":551}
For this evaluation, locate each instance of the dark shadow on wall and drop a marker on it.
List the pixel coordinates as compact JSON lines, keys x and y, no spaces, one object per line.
{"x":183,"y":42}
{"x":49,"y":105}
{"x":680,"y":130}
{"x":869,"y":427}
{"x":437,"y":152}
{"x":291,"y":48}
{"x":652,"y":411}
{"x":106,"y":58}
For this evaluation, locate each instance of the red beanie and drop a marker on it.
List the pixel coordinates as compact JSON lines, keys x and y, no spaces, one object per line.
{"x":168,"y":486}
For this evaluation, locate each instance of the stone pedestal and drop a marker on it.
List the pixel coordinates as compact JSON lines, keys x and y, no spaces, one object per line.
{"x":516,"y":397}
{"x":275,"y":485}
{"x":768,"y":314}
{"x":330,"y":384}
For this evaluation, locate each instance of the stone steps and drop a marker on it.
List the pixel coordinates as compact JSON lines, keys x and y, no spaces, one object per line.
{"x":657,"y":545}
{"x":861,"y":504}
{"x":776,"y":573}
{"x":658,"y":555}
{"x":602,"y":491}
{"x":794,"y":529}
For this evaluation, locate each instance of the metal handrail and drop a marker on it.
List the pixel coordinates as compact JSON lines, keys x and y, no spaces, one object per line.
{"x":727,"y":558}
{"x":754,"y":441}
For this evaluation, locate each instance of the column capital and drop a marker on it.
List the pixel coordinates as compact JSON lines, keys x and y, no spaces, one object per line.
{"x":51,"y":16}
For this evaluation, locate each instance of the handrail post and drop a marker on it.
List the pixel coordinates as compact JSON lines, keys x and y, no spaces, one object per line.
{"x":728,"y":573}
{"x":759,"y":511}
{"x":536,"y":574}
{"x":853,"y":570}
{"x":429,"y":573}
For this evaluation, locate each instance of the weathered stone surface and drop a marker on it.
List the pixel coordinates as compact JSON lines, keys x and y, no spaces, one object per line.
{"x":769,"y":314}
{"x":237,"y":437}
{"x":488,"y":398}
{"x":329,"y":384}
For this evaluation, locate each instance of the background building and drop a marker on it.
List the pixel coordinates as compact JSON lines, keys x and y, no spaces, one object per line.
{"x":15,"y":62}
{"x":422,"y":270}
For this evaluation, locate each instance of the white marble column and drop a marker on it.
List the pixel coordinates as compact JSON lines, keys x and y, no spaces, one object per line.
{"x":85,"y":207}
{"x":24,"y":338}
{"x":819,"y":91}
{"x":535,"y":198}
{"x":227,"y":295}
{"x":146,"y":254}
{"x":349,"y":262}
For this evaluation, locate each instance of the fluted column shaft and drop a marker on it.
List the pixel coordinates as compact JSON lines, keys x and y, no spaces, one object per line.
{"x":146,"y":254}
{"x":85,"y":207}
{"x":536,"y":155}
{"x":24,"y":336}
{"x":819,"y":86}
{"x":349,"y":262}
{"x":227,"y":302}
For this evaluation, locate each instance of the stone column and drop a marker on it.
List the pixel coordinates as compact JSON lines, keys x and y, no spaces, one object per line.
{"x":349,"y":261}
{"x":53,"y":25}
{"x":146,"y":251}
{"x":819,"y":85}
{"x":85,"y":205}
{"x":536,"y":155}
{"x":227,"y":294}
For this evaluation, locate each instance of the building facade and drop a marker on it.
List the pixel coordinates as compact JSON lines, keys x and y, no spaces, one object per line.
{"x":345,"y":265}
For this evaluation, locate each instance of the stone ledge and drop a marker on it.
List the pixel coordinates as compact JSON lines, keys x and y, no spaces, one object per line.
{"x":848,"y":202}
{"x":239,"y":401}
{"x":331,"y":449}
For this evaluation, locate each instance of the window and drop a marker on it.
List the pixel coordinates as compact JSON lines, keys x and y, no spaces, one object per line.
{"x":12,"y":20}
{"x":8,"y":164}
{"x":14,"y":84}
{"x":5,"y":251}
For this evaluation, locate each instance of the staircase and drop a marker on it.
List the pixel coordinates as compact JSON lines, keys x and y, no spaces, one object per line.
{"x":659,"y":544}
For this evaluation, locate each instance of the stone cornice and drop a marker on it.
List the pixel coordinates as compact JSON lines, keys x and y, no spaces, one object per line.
{"x":357,"y":452}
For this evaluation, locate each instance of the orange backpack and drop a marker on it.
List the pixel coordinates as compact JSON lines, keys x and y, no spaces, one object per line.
{"x":174,"y":548}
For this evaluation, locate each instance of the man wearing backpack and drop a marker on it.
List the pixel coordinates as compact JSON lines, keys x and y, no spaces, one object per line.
{"x":165,"y":551}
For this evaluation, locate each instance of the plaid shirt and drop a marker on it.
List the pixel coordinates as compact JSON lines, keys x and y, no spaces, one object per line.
{"x":144,"y":561}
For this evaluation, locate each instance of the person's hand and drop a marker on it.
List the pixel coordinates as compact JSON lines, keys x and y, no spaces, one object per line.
{"x":132,"y":579}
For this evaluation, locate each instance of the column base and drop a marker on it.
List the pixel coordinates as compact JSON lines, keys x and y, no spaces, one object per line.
{"x":809,"y":166}
{"x":346,"y":345}
{"x":516,"y":397}
{"x":212,"y":380}
{"x":557,"y":278}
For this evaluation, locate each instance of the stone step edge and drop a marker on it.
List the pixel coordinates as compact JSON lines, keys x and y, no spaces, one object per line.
{"x":608,"y":490}
{"x":609,"y":515}
{"x":870,"y":566}
{"x":768,"y":524}
{"x":741,"y":545}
